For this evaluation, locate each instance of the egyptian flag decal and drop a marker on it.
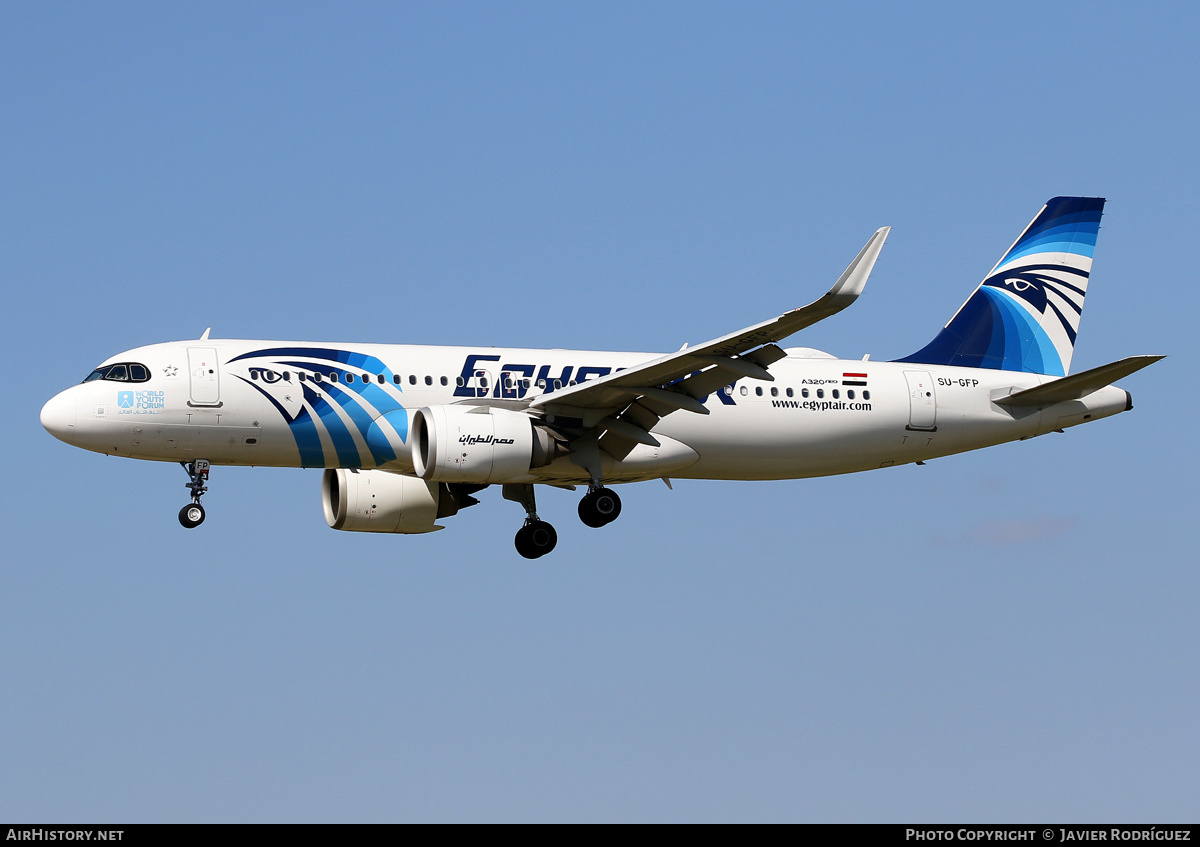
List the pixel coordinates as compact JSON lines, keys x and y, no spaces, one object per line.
{"x":854,"y":379}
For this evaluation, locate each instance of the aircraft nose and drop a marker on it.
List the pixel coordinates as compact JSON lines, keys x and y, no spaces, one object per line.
{"x":58,"y":416}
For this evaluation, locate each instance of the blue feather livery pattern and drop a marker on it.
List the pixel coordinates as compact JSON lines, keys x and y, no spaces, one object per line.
{"x":1025,"y":315}
{"x":336,"y":404}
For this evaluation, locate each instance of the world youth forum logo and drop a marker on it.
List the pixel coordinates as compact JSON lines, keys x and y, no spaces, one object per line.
{"x":124,"y":399}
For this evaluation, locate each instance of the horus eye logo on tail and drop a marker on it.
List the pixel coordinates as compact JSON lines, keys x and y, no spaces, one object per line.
{"x":1050,"y":292}
{"x":1025,"y":315}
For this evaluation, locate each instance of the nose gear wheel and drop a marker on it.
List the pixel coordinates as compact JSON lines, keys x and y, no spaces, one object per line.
{"x":191,"y":515}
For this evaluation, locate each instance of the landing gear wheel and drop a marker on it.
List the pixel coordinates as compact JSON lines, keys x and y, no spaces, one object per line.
{"x":536,"y":539}
{"x":191,"y":515}
{"x":599,"y":506}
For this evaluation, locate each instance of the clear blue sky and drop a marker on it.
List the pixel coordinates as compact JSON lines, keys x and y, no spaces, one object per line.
{"x":1009,"y":635}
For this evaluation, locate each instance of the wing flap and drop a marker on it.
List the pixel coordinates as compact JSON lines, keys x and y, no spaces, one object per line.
{"x":662,"y":397}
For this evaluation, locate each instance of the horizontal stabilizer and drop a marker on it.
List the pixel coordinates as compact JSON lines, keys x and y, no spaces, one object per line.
{"x":1078,"y":385}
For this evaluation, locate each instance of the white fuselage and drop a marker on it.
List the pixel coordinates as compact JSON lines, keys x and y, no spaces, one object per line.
{"x":302,"y":404}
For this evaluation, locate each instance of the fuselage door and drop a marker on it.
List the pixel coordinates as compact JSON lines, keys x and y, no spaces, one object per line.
{"x":922,"y":404}
{"x":205,"y":376}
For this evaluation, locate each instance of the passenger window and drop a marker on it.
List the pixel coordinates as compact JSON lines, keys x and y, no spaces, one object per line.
{"x":254,"y":374}
{"x":333,"y":377}
{"x":460,"y":382}
{"x":866,"y":395}
{"x":429,"y":380}
{"x":820,"y":393}
{"x":790,"y":392}
{"x":836,"y":395}
{"x":316,"y":377}
{"x":745,"y":391}
{"x":758,"y":390}
{"x":850,"y":394}
{"x":774,"y":392}
{"x":350,"y":378}
{"x":804,"y":392}
{"x":396,"y":378}
{"x":412,"y":379}
{"x":728,"y":391}
{"x":301,"y":375}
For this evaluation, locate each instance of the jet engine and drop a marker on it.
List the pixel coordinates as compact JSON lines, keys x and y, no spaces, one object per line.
{"x":478,"y":444}
{"x":379,"y":501}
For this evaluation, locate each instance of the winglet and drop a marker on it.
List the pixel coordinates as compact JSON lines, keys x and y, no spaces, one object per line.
{"x":850,"y":284}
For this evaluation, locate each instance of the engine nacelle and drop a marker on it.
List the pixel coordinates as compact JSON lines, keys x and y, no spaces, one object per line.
{"x":378,"y":501}
{"x":478,"y":444}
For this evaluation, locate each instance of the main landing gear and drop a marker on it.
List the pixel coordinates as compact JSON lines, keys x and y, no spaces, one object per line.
{"x":536,"y":538}
{"x":599,"y":506}
{"x":192,"y":515}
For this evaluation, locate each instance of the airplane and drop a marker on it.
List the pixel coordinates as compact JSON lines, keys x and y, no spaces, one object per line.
{"x":407,"y":434}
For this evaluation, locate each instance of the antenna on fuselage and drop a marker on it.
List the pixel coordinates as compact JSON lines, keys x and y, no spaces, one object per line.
{"x":204,"y":337}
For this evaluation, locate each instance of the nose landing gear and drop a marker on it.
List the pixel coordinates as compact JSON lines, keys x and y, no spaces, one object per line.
{"x":192,"y":515}
{"x":599,"y":506}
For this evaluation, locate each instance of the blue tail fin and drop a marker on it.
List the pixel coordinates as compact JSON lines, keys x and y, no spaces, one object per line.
{"x":1024,"y":316}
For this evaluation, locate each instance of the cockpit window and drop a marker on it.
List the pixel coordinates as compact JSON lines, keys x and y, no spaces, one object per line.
{"x":121,"y":372}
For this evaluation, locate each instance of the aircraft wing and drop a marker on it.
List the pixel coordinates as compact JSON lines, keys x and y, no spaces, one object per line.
{"x":638,"y":397}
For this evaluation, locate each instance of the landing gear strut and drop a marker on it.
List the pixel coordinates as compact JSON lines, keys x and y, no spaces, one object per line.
{"x":599,"y":506}
{"x":192,"y":515}
{"x":536,"y":538}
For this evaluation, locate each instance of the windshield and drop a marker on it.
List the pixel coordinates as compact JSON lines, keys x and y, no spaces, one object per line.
{"x":121,"y":372}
